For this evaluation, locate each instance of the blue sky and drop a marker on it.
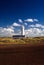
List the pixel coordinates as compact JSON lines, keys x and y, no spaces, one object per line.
{"x":13,"y":10}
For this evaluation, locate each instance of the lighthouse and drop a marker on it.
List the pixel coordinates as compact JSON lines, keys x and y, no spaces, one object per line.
{"x":22,"y":33}
{"x":22,"y":30}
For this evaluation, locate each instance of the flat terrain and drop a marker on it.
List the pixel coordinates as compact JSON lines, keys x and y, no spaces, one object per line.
{"x":28,"y":51}
{"x":22,"y":55}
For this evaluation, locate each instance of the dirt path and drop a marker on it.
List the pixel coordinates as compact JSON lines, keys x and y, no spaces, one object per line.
{"x":22,"y":55}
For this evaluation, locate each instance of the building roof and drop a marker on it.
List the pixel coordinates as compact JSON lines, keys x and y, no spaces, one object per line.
{"x":18,"y":35}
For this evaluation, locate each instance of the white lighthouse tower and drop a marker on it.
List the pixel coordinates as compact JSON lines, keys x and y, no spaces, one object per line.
{"x":22,"y":30}
{"x":22,"y":33}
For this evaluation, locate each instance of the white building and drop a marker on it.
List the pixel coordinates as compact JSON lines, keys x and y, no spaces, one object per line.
{"x":22,"y":33}
{"x":22,"y":30}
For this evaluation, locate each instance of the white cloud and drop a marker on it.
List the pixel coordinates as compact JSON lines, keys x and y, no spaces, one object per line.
{"x":32,"y":25}
{"x":16,"y":24}
{"x":40,"y":25}
{"x":20,"y":20}
{"x":37,"y":25}
{"x":36,"y":20}
{"x":8,"y":32}
{"x":17,"y":32}
{"x":29,"y":20}
{"x":34,"y":32}
{"x":25,"y":23}
{"x":30,"y":32}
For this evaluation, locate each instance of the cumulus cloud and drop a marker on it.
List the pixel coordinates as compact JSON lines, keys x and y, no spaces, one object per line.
{"x":7,"y":32}
{"x":31,"y":20}
{"x":34,"y":32}
{"x":20,"y":20}
{"x":37,"y":25}
{"x":31,"y":32}
{"x":16,"y":24}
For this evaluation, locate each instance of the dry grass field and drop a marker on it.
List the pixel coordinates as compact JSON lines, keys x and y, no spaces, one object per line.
{"x":31,"y":41}
{"x":28,"y":51}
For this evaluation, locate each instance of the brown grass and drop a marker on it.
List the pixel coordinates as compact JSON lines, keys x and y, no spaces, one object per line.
{"x":22,"y":53}
{"x":31,"y":41}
